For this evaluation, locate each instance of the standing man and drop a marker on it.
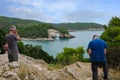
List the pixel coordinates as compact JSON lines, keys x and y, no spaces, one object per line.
{"x":97,"y":52}
{"x":12,"y":39}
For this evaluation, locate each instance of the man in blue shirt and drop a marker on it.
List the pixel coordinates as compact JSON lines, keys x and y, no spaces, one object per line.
{"x":97,"y":51}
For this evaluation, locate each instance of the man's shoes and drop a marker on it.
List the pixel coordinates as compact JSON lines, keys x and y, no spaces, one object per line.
{"x":105,"y":79}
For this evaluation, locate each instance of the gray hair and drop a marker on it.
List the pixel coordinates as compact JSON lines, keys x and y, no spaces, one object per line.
{"x":95,"y":37}
{"x":13,"y":27}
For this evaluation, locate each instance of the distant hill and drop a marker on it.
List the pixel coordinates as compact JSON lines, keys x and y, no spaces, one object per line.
{"x":16,"y":21}
{"x":78,"y":26}
{"x":26,"y":28}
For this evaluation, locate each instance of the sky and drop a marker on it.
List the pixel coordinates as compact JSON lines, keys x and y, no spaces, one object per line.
{"x":62,"y":11}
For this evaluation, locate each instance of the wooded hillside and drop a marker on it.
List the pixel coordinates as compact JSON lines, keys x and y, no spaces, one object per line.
{"x":78,"y":26}
{"x":37,"y":29}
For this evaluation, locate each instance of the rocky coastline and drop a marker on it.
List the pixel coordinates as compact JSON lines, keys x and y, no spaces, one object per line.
{"x":66,"y":36}
{"x":37,"y":39}
{"x":52,"y":34}
{"x":62,"y":36}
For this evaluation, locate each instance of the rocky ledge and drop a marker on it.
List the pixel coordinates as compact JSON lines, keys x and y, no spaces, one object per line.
{"x":66,"y":36}
{"x":35,"y":69}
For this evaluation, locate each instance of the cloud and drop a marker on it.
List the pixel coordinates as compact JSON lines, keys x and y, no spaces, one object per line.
{"x":55,"y":11}
{"x":42,"y":9}
{"x":28,"y":13}
{"x":84,"y":16}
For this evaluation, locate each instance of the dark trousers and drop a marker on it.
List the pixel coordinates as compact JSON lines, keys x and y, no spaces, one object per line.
{"x":13,"y":56}
{"x":95,"y":65}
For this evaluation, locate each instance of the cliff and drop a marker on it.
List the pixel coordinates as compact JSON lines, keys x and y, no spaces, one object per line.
{"x":35,"y":69}
{"x":52,"y":33}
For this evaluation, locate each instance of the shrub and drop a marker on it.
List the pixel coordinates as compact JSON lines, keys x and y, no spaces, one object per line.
{"x":2,"y":40}
{"x":70,"y":55}
{"x":113,"y":57}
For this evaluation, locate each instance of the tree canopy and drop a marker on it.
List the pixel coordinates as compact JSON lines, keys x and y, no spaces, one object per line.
{"x":115,"y":21}
{"x":112,"y":36}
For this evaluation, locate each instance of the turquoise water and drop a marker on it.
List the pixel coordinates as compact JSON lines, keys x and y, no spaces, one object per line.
{"x":56,"y":46}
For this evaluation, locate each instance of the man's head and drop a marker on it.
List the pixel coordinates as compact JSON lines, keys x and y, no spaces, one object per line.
{"x":12,"y":28}
{"x":95,"y":37}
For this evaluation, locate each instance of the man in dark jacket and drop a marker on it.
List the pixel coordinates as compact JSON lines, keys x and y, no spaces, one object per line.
{"x":12,"y":39}
{"x":97,"y":51}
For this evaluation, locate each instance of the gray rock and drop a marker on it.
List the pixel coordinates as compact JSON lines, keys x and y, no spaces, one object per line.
{"x":9,"y":75}
{"x":35,"y":69}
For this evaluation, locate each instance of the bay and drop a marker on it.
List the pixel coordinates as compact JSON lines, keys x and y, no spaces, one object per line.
{"x":82,"y":38}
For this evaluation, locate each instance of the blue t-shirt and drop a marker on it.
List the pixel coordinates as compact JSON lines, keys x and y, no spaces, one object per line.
{"x":97,"y":47}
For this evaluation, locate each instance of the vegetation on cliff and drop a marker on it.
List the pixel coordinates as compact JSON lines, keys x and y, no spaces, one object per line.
{"x":2,"y":38}
{"x":112,"y":36}
{"x":28,"y":28}
{"x":35,"y":31}
{"x":2,"y":41}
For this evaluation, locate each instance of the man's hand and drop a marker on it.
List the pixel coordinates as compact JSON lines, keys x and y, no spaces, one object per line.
{"x":18,"y":37}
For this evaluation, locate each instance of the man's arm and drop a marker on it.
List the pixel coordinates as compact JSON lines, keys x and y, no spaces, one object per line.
{"x":89,"y":48}
{"x":105,"y":48}
{"x":6,"y":47}
{"x":89,"y":51}
{"x":105,"y":51}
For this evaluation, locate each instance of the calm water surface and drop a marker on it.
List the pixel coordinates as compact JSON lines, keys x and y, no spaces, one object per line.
{"x":56,"y":46}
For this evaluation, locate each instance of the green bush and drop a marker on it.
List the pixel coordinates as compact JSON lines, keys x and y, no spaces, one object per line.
{"x":70,"y":55}
{"x":2,"y":38}
{"x":113,"y":57}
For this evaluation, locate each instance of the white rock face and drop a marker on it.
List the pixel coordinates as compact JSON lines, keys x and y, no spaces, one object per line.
{"x":34,"y":69}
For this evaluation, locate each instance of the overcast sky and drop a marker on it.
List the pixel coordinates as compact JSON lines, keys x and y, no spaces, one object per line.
{"x":60,"y":11}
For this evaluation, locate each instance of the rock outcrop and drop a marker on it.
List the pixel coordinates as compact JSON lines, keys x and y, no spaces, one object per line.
{"x":66,"y":36}
{"x":35,"y":69}
{"x":52,"y":34}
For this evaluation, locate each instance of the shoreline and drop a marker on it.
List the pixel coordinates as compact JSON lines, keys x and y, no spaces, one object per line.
{"x":37,"y":39}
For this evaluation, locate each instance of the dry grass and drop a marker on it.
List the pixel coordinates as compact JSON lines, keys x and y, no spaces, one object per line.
{"x":55,"y":66}
{"x":26,"y":69}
